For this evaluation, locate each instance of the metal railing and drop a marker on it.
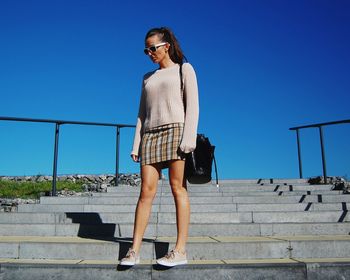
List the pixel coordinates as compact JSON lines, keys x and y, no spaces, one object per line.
{"x":320,"y":128}
{"x":58,"y":123}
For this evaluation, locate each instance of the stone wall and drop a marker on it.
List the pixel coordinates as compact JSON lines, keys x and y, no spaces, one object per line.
{"x":91,"y":183}
{"x":106,"y":179}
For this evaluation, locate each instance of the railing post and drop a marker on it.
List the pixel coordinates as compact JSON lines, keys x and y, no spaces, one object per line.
{"x":117,"y":157}
{"x":323,"y":155}
{"x":299,"y":156}
{"x":57,"y":134}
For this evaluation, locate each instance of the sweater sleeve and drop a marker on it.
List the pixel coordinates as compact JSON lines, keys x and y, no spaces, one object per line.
{"x":188,"y":142}
{"x":139,"y":126}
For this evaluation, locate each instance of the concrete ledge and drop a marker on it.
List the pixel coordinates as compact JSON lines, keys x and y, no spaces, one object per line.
{"x":94,"y":218}
{"x":195,"y":208}
{"x":119,"y":200}
{"x":199,"y":248}
{"x":286,"y":270}
{"x":223,"y":193}
{"x":224,"y":229}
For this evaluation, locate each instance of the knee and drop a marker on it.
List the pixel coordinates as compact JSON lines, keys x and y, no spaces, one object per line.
{"x":147,"y":193}
{"x":178,"y":189}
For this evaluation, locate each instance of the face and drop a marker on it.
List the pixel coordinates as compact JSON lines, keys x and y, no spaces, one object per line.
{"x":160,"y":52}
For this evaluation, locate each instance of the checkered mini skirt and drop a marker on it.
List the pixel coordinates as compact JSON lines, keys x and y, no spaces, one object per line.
{"x":161,"y":144}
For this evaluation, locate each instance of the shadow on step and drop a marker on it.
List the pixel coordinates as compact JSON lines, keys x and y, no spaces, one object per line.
{"x":91,"y":226}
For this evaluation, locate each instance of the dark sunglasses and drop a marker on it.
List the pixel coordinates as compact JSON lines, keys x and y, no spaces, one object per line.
{"x":153,"y":48}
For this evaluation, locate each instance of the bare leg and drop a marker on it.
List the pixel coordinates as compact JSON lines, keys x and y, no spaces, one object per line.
{"x":149,"y":183}
{"x":182,"y":203}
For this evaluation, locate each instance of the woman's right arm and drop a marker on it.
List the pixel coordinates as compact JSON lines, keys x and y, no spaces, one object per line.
{"x":139,"y":128}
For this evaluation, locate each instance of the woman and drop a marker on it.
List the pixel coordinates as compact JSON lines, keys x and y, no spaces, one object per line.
{"x":166,"y":129}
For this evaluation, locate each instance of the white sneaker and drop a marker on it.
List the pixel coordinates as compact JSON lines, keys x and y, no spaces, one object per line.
{"x":131,"y":258}
{"x":173,"y":258}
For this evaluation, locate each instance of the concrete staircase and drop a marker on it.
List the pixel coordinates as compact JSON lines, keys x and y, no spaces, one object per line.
{"x":246,"y":229}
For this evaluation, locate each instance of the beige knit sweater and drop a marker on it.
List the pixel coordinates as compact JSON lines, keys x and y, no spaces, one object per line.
{"x":161,"y":103}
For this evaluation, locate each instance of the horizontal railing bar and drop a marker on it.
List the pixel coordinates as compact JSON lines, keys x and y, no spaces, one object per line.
{"x":63,"y":122}
{"x":319,"y":124}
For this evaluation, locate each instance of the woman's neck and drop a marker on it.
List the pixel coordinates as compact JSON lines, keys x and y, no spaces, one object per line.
{"x":166,"y":63}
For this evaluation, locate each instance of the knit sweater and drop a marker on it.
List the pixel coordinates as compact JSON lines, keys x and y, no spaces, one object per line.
{"x":161,"y":103}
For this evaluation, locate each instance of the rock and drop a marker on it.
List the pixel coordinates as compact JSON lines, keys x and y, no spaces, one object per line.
{"x":320,"y":180}
{"x":110,"y":179}
{"x":10,"y":205}
{"x":104,"y":187}
{"x":62,"y":178}
{"x":39,"y":178}
{"x":316,"y":180}
{"x":339,"y":183}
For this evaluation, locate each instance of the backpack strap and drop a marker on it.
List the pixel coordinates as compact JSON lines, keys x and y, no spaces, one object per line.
{"x":181,"y":78}
{"x":182,"y":86}
{"x":216,"y":172}
{"x":183,"y":100}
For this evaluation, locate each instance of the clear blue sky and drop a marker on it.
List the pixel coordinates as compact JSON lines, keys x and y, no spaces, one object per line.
{"x":262,"y":67}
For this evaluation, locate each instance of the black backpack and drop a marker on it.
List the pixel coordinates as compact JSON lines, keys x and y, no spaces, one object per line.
{"x":198,"y":164}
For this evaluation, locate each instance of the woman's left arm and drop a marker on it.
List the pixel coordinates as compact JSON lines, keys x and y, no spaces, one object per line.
{"x":188,"y":143}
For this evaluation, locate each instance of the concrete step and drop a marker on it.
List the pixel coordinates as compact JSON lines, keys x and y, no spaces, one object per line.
{"x":245,"y":182}
{"x":293,"y":199}
{"x":285,"y":220}
{"x":256,"y":181}
{"x":276,"y":188}
{"x":263,"y":269}
{"x":263,"y":207}
{"x":203,"y":207}
{"x":196,"y":217}
{"x":229,"y":188}
{"x":117,"y":200}
{"x":248,"y":182}
{"x":199,"y":248}
{"x":38,"y":208}
{"x":219,"y":193}
{"x":216,"y":229}
{"x":129,"y":200}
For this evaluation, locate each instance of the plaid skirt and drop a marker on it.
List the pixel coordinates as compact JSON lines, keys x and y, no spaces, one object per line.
{"x":161,"y":144}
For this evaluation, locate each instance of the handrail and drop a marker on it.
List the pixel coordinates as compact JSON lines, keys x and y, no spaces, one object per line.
{"x":320,"y":127}
{"x":64,"y":122}
{"x":61,"y":122}
{"x":320,"y":124}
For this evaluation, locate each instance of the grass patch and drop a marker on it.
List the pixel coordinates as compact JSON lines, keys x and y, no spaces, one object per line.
{"x":10,"y":189}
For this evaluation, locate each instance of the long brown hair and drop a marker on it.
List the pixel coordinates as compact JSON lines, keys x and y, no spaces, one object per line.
{"x":166,"y":35}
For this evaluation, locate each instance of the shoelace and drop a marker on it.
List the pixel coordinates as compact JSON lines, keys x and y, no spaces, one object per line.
{"x":131,"y":253}
{"x":170,"y":255}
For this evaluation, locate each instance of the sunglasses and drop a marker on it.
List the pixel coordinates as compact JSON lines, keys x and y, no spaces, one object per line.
{"x":153,"y":48}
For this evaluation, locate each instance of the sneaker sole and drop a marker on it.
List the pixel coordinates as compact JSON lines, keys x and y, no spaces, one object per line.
{"x":171,"y":264}
{"x":129,"y":263}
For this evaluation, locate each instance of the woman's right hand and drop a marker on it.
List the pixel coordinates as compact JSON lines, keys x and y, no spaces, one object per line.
{"x":135,"y":158}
